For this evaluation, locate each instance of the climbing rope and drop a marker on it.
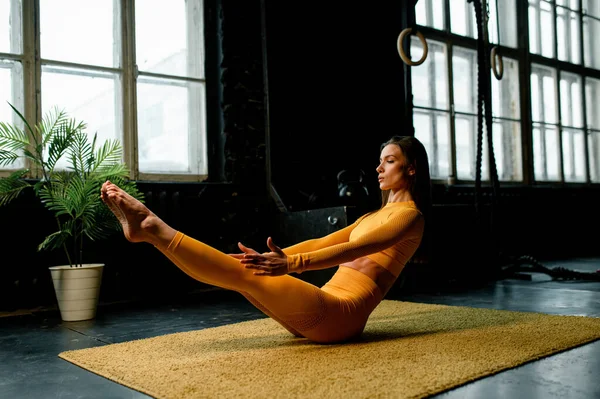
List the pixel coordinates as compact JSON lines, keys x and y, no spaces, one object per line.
{"x":484,"y":111}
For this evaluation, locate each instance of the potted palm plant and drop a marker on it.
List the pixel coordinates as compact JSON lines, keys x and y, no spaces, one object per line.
{"x":66,"y":168}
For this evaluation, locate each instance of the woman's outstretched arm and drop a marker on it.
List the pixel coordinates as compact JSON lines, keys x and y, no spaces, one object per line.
{"x":406,"y":225}
{"x":337,"y":237}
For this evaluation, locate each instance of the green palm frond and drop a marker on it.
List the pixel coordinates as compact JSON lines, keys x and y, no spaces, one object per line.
{"x":107,"y":219}
{"x":88,"y":198}
{"x":12,"y":186}
{"x":57,"y":133}
{"x":22,"y":118}
{"x":53,"y":121}
{"x":81,"y":152}
{"x":62,"y":140}
{"x":72,"y":195}
{"x":54,"y":198}
{"x":113,"y":172}
{"x":12,"y":137}
{"x":7,"y":157}
{"x":57,"y":239}
{"x":73,"y":125}
{"x":66,"y":195}
{"x":102,"y":224}
{"x":13,"y":140}
{"x":109,"y":155}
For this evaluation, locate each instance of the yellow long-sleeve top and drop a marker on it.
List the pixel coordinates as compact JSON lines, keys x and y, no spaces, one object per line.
{"x":388,"y":236}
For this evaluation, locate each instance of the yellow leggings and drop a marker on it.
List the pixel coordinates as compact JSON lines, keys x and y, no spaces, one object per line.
{"x":336,"y":312}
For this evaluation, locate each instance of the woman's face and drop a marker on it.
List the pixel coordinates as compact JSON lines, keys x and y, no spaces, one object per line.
{"x":392,"y":170}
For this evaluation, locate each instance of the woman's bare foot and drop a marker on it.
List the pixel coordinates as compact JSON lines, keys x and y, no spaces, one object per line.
{"x":139,"y":223}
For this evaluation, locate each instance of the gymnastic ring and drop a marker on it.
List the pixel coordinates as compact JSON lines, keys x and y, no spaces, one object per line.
{"x":403,"y":55}
{"x":498,"y":72}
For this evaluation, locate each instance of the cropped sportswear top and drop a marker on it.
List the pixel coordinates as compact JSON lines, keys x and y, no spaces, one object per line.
{"x":389,"y":236}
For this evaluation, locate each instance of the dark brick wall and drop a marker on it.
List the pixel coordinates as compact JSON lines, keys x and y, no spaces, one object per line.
{"x":243,"y":105}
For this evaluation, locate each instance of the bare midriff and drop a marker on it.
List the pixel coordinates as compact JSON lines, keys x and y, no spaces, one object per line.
{"x":381,"y":276}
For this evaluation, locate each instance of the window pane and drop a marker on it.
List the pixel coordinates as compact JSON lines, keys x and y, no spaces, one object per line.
{"x":432,"y":129}
{"x":503,"y":17}
{"x":11,"y":82}
{"x":462,"y":18}
{"x":10,"y":26}
{"x":572,"y":4}
{"x":594,"y":147}
{"x":464,"y":71}
{"x":592,"y":94}
{"x":430,"y":13}
{"x":567,"y":27}
{"x":464,"y":22}
{"x":466,"y":149}
{"x":592,"y":7}
{"x":505,"y":92}
{"x":534,"y":39}
{"x":433,"y":70}
{"x":171,"y":126}
{"x":84,"y":32}
{"x":507,"y":134}
{"x":541,"y":28}
{"x":169,"y":37}
{"x":89,"y":96}
{"x":573,"y":148}
{"x":543,"y":94}
{"x":571,"y":107}
{"x":591,"y":45}
{"x":535,"y":98}
{"x":545,"y":153}
{"x":507,"y":150}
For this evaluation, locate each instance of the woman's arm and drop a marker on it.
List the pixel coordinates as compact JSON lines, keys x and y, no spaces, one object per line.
{"x":337,"y":237}
{"x":275,"y":263}
{"x":407,"y":225}
{"x":403,"y":225}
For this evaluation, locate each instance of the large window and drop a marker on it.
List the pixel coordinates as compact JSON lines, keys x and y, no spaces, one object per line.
{"x":445,"y":112}
{"x":561,"y":32}
{"x":564,"y":82}
{"x":133,"y":71}
{"x":432,"y":109}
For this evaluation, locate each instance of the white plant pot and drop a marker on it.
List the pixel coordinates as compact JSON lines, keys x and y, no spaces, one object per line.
{"x":77,"y":290}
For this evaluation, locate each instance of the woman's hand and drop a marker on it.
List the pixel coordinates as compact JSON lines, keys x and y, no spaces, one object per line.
{"x":245,"y":250}
{"x":272,"y":263}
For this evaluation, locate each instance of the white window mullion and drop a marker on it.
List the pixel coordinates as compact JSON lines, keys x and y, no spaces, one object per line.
{"x":118,"y":55}
{"x":32,"y":66}
{"x":195,"y":67}
{"x":129,"y":104}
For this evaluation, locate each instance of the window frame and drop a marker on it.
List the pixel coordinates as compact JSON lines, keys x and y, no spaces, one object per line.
{"x":452,"y":40}
{"x":526,"y":61}
{"x":126,"y":111}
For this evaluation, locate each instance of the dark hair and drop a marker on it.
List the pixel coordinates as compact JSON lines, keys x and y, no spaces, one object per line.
{"x":419,"y":184}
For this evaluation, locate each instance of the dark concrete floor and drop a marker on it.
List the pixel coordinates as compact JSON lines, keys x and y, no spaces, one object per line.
{"x":29,"y":344}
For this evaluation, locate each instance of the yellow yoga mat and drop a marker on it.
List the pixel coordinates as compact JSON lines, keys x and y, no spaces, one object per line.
{"x":408,"y":350}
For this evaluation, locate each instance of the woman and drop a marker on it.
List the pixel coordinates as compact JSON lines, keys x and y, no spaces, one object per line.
{"x":370,"y":253}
